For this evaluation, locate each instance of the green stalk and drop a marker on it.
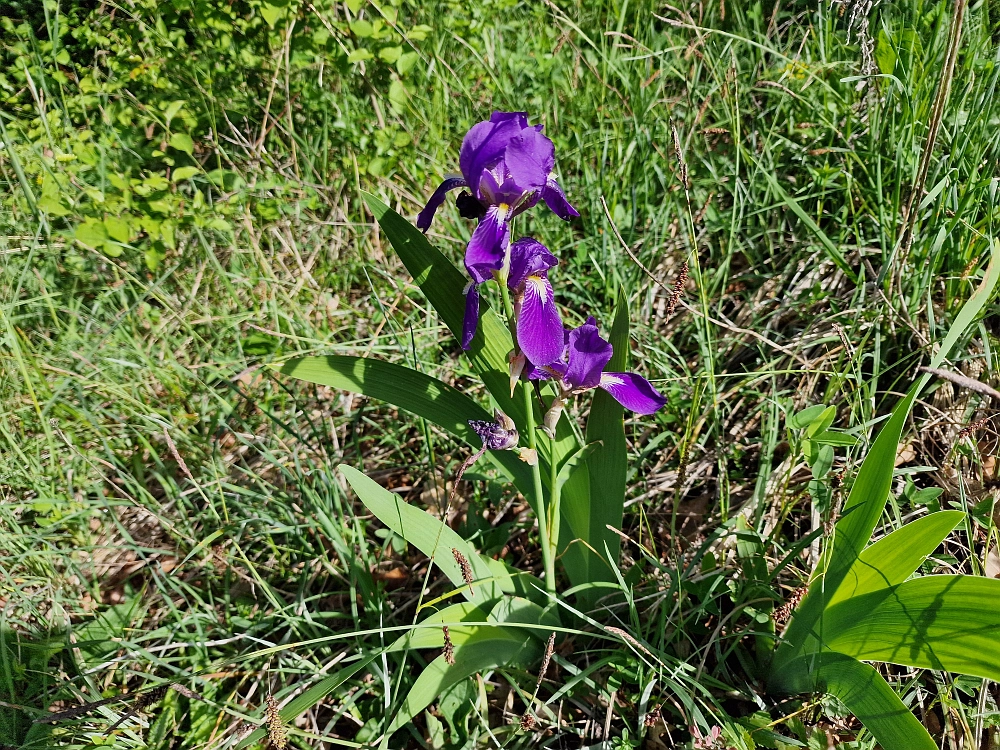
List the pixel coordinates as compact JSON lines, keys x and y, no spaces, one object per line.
{"x":536,"y":471}
{"x":555,"y":496}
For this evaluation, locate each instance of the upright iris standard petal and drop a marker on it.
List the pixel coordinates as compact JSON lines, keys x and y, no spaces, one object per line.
{"x":539,"y":327}
{"x":633,"y":392}
{"x":588,"y":354}
{"x":471,"y":320}
{"x":485,"y":253}
{"x":530,"y":157}
{"x":486,"y":142}
{"x":425,"y":217}
{"x":555,"y":199}
{"x":528,"y":257}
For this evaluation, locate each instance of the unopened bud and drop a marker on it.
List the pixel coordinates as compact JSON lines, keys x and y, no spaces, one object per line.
{"x":516,"y":362}
{"x":552,"y":417}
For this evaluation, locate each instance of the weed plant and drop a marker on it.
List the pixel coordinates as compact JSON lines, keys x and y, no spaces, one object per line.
{"x":182,"y":206}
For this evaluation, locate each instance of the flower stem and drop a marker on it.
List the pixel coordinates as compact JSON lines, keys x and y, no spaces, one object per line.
{"x":536,"y":471}
{"x":555,"y":496}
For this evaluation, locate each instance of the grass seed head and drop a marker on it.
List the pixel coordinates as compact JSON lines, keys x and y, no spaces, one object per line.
{"x":449,"y":648}
{"x":463,"y":564}
{"x":678,"y":290}
{"x":275,"y":726}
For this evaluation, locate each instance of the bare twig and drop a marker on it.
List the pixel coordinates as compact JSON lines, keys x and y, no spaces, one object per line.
{"x":962,"y":381}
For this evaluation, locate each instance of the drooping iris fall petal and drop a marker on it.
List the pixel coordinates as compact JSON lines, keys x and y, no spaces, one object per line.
{"x":539,"y":327}
{"x":555,"y":199}
{"x":451,"y":182}
{"x":632,"y":391}
{"x":485,"y":253}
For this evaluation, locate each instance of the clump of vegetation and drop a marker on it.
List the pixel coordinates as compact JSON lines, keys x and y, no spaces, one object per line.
{"x":785,"y":210}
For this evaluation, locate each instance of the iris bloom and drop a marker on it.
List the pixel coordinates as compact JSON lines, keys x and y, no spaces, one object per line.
{"x":539,"y":327}
{"x":507,"y":165}
{"x":581,"y":369}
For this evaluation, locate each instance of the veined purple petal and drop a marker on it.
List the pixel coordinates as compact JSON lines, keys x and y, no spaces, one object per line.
{"x":555,"y":199}
{"x":495,"y":436}
{"x":539,"y":328}
{"x":471,"y":320}
{"x":425,"y":217}
{"x":528,"y":256}
{"x":588,"y":355}
{"x":633,"y":392}
{"x":485,"y":143}
{"x":529,"y":158}
{"x":485,"y":253}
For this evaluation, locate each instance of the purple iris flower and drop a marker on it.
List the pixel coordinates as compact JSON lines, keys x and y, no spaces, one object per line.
{"x":539,"y":327}
{"x":507,"y":165}
{"x":581,"y":368}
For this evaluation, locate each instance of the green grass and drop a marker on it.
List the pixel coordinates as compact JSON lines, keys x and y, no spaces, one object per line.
{"x":171,"y":509}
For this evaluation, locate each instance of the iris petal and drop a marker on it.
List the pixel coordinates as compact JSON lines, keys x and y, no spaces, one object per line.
{"x":539,"y":327}
{"x":485,"y":143}
{"x":485,"y":253}
{"x":528,"y":256}
{"x":589,"y":354}
{"x":425,"y":217}
{"x":529,"y":159}
{"x":555,"y":199}
{"x":471,"y":321}
{"x":633,"y":392}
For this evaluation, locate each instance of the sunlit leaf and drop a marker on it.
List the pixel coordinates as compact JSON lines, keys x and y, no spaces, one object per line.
{"x":428,"y":534}
{"x":894,"y":559}
{"x":943,"y":622}
{"x":413,"y":391}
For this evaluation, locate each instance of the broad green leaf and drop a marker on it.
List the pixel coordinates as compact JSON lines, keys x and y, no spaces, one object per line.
{"x":829,"y":437}
{"x":516,"y":609}
{"x":271,"y":13}
{"x":91,"y":233}
{"x":870,"y":698}
{"x":398,"y":95}
{"x":172,"y":109}
{"x":390,"y":54}
{"x":489,"y":648}
{"x":184,"y":173}
{"x":444,"y":286}
{"x":432,"y":537}
{"x":359,"y":55}
{"x":892,"y":560}
{"x":406,"y":62}
{"x":867,"y":498}
{"x":944,"y":622}
{"x":575,"y":462}
{"x":804,"y":418}
{"x":117,"y":229}
{"x":822,"y":422}
{"x":517,"y":582}
{"x":361,"y":28}
{"x":182,"y":142}
{"x":606,"y":466}
{"x":413,"y":391}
